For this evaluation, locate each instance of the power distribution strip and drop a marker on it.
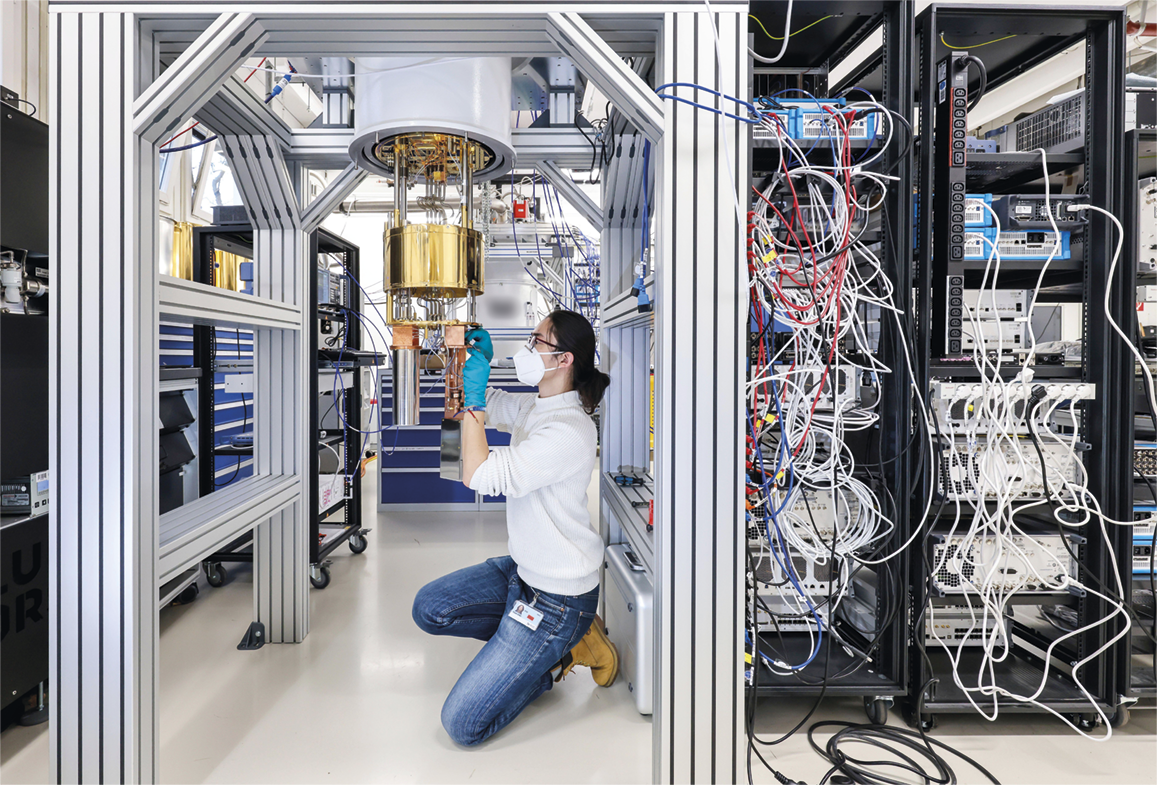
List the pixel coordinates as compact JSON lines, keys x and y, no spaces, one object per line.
{"x":970,"y":473}
{"x":957,"y":625}
{"x":963,"y":565}
{"x":961,"y":405}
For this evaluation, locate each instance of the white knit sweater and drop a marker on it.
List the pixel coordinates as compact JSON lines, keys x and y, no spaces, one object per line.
{"x":544,"y":474}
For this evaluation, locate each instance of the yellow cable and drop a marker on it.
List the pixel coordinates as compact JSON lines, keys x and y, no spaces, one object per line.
{"x":793,"y":32}
{"x":975,"y":46}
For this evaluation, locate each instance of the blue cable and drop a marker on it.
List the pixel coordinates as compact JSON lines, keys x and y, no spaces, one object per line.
{"x":646,"y":209}
{"x":741,"y":102}
{"x":167,"y":150}
{"x":552,"y":194}
{"x":518,"y":252}
{"x":788,"y":567}
{"x":367,"y":296}
{"x":820,"y":108}
{"x":786,"y":563}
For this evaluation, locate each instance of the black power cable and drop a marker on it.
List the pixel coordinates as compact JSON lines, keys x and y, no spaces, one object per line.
{"x":904,"y":744}
{"x":594,"y":147}
{"x":983,"y":72}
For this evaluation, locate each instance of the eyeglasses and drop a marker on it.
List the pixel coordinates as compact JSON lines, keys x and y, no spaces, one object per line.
{"x":533,"y":341}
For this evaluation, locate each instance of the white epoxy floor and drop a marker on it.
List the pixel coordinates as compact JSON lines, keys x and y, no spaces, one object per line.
{"x":359,"y":700}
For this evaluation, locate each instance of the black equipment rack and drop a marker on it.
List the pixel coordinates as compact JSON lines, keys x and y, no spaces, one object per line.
{"x":888,"y":75}
{"x":1138,"y":665}
{"x":1017,"y":38}
{"x":326,"y":534}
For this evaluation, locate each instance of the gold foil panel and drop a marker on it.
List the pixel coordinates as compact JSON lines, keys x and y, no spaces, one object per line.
{"x":434,"y":260}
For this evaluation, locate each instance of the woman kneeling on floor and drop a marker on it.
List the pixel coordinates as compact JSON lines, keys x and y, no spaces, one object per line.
{"x":536,"y":607}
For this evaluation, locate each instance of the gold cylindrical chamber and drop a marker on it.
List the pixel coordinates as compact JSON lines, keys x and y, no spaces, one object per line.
{"x":434,"y":260}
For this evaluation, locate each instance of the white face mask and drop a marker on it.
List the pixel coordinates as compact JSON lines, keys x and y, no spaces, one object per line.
{"x":529,"y":367}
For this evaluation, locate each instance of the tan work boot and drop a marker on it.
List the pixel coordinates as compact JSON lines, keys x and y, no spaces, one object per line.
{"x":596,"y":652}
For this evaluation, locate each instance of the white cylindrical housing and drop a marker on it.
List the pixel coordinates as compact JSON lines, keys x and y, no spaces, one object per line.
{"x":464,"y":97}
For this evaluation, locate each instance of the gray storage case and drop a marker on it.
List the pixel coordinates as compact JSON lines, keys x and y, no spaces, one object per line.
{"x":629,"y":599}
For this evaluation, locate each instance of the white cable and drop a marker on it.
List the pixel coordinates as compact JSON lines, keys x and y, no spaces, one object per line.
{"x":1109,"y":288}
{"x":739,"y":211}
{"x":419,"y":64}
{"x":786,"y":40}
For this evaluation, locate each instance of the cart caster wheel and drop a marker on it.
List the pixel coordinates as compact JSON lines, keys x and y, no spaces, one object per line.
{"x":358,"y":543}
{"x":1120,"y":717}
{"x":319,"y":576}
{"x":189,"y":594}
{"x":215,"y":574}
{"x":1089,"y":721}
{"x":877,"y":710}
{"x":928,"y":723}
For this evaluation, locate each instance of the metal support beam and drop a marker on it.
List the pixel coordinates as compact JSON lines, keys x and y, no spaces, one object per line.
{"x":282,"y":432}
{"x":600,"y":64}
{"x":263,"y":180}
{"x":237,"y":111}
{"x":196,"y":74}
{"x":198,"y":303}
{"x":700,"y":315}
{"x":104,"y":386}
{"x":192,"y":532}
{"x":575,"y":197}
{"x":320,"y":148}
{"x":105,"y":311}
{"x":331,"y":198}
{"x":414,"y":29}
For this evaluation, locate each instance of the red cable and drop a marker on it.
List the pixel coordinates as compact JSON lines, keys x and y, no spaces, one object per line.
{"x":194,"y":125}
{"x":187,"y":130}
{"x":246,"y":79}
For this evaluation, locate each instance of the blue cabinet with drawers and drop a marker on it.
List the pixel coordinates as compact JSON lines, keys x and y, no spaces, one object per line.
{"x":410,"y":456}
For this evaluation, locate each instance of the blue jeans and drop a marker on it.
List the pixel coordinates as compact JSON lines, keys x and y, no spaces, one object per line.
{"x":513,"y":667}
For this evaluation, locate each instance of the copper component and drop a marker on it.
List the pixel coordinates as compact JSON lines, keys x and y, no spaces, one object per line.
{"x":430,"y":265}
{"x":406,"y":337}
{"x":455,"y":343}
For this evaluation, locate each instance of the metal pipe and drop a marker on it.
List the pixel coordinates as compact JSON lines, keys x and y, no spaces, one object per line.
{"x":468,"y":188}
{"x":400,"y":176}
{"x":406,"y":386}
{"x":380,"y":206}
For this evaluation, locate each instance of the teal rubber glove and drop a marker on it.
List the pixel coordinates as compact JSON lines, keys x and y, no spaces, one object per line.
{"x":480,"y":340}
{"x":476,"y":373}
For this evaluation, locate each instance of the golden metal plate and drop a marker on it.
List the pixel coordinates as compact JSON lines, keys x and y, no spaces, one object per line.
{"x":434,"y":260}
{"x":433,"y":156}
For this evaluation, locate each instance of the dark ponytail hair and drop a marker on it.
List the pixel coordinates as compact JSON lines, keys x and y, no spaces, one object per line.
{"x":574,"y":334}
